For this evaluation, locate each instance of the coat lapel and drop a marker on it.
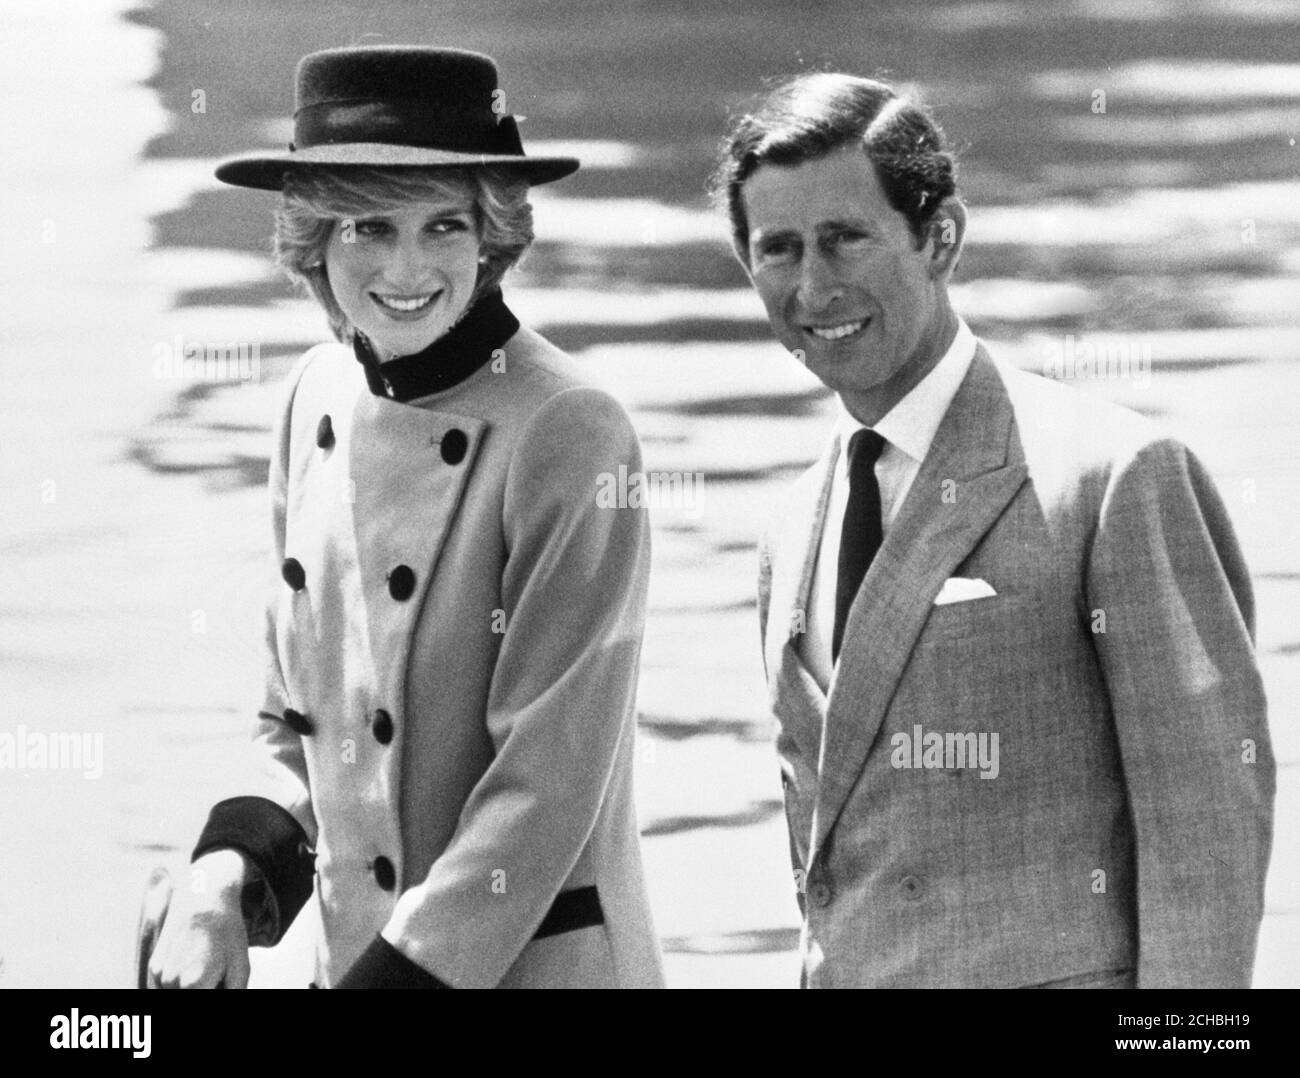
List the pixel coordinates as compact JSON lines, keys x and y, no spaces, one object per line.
{"x":964,"y":484}
{"x":396,"y":462}
{"x":371,"y":505}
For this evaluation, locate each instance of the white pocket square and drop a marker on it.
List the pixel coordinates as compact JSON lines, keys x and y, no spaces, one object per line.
{"x":961,"y":589}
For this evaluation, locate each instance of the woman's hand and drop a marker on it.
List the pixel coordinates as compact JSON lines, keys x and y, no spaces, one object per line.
{"x":203,"y":942}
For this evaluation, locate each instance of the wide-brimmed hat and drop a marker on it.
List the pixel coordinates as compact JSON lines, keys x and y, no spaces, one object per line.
{"x":396,"y":105}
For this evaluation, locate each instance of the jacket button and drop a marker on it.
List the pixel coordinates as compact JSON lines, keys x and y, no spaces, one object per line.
{"x":454,"y":445}
{"x":382,"y":726}
{"x":324,"y":432}
{"x":401,"y":583}
{"x":297,"y":722}
{"x":913,"y":887}
{"x":293,"y":575}
{"x":385,"y":876}
{"x":820,"y":894}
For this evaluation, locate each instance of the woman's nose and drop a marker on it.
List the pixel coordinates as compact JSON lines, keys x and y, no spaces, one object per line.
{"x":409,"y":265}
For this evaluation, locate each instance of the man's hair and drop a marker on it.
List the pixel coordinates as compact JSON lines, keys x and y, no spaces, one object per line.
{"x":315,"y":200}
{"x":810,"y":116}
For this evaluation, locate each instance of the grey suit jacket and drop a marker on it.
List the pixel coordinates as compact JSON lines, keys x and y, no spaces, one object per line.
{"x":1128,"y":821}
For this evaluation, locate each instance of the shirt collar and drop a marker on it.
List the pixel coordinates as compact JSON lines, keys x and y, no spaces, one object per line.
{"x":911,"y":424}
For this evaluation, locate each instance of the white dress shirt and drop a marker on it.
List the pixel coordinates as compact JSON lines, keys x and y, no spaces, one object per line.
{"x":908,"y":429}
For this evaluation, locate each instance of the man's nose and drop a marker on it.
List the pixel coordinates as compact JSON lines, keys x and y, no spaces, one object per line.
{"x":819,"y":285}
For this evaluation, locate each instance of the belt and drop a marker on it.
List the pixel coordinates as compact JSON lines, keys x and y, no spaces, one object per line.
{"x":579,"y":908}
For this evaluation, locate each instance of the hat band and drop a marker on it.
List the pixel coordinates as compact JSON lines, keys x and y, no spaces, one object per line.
{"x":426,"y":124}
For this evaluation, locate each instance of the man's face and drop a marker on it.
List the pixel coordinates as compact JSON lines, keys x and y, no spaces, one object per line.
{"x":845,"y":287}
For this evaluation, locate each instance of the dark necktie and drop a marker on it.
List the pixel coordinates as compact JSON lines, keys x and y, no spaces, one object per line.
{"x":861,"y":534}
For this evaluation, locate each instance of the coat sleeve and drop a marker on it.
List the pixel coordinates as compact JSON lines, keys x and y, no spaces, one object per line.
{"x":1177,"y":651}
{"x":561,"y":699}
{"x":271,"y":820}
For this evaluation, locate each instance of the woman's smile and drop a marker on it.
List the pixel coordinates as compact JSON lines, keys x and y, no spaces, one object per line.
{"x":404,"y":307}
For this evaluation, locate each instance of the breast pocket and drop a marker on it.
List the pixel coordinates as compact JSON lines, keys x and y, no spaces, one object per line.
{"x":993,"y":619}
{"x":1004,"y":660}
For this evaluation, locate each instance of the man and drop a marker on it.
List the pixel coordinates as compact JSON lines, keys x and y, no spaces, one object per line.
{"x":1007,"y":628}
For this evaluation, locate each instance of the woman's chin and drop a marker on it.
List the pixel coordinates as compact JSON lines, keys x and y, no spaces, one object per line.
{"x":387,"y":343}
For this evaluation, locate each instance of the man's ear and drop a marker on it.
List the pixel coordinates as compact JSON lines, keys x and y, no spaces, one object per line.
{"x":947,"y":233}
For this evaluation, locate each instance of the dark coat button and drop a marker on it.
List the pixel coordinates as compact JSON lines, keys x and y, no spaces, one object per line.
{"x":382,"y":726}
{"x":297,"y":722}
{"x":293,"y":575}
{"x":324,"y":432}
{"x":454,"y":445}
{"x":385,"y":875}
{"x":913,"y":887}
{"x":401,"y":583}
{"x":820,"y":894}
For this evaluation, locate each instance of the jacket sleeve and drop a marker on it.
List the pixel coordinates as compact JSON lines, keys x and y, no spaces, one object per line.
{"x":561,"y":699}
{"x":1177,"y":651}
{"x":271,"y":821}
{"x":798,"y":869}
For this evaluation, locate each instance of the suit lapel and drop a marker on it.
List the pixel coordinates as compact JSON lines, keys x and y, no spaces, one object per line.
{"x":964,"y":484}
{"x":797,"y":700}
{"x":793,"y":562}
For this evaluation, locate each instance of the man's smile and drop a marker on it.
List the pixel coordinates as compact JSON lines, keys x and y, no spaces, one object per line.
{"x":838,"y":332}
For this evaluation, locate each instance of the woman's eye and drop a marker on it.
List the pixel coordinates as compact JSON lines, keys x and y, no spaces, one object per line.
{"x":451,"y":224}
{"x":371,"y":228}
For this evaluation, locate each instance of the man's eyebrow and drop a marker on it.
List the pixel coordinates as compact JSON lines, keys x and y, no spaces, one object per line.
{"x":854,"y":223}
{"x":765,"y":235}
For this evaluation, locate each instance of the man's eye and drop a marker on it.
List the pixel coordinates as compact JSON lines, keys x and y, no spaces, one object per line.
{"x":777,"y":253}
{"x":848,"y":238}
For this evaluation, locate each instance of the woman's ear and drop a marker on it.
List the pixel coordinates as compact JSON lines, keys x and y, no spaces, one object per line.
{"x":947,"y":234}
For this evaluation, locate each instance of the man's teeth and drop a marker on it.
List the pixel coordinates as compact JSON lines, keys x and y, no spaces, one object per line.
{"x":404,"y":304}
{"x":836,"y":332}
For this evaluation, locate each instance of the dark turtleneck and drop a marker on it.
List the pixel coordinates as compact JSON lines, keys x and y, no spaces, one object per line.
{"x":448,"y":361}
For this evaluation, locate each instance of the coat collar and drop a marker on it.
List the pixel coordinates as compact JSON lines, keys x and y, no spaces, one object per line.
{"x":971,"y":473}
{"x":448,"y":361}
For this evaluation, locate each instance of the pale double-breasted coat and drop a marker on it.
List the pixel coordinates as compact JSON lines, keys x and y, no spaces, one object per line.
{"x":463,"y":647}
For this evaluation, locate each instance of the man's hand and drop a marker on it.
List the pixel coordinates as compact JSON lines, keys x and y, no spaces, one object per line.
{"x":203,"y":943}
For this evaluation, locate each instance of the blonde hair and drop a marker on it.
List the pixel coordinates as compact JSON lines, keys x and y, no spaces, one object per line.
{"x":315,"y":200}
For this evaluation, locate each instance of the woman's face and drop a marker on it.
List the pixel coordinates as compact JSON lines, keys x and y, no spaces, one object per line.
{"x":403,"y":277}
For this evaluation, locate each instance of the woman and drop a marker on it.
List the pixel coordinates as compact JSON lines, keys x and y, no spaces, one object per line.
{"x":447,"y":735}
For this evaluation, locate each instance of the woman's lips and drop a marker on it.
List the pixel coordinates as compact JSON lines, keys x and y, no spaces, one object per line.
{"x":404,"y":308}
